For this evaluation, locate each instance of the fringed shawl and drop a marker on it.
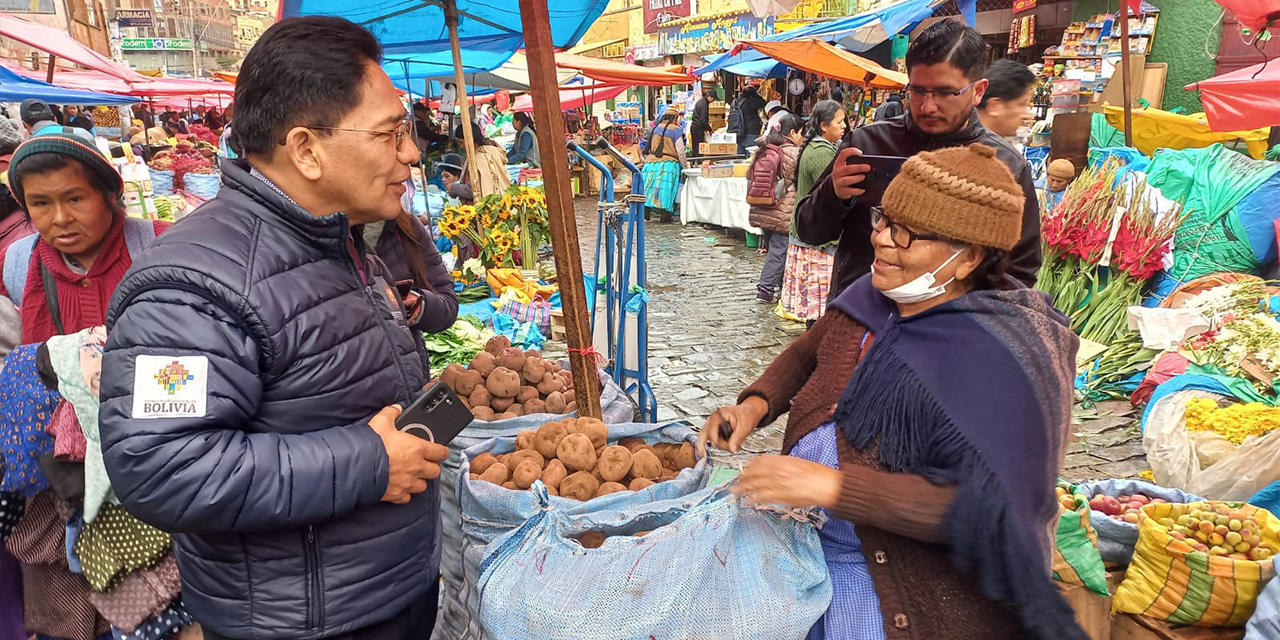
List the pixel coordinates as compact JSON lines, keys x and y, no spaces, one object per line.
{"x":975,"y":393}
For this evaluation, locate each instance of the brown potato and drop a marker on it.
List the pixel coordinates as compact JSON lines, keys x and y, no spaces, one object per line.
{"x":526,"y":473}
{"x":465,"y":402}
{"x":595,"y":473}
{"x":554,"y":474}
{"x":483,"y":462}
{"x":640,"y":483}
{"x":496,"y":344}
{"x":483,"y":413}
{"x":592,"y":428}
{"x":556,"y":403}
{"x":566,"y":376}
{"x":468,"y":382}
{"x":503,"y":383}
{"x":645,"y":464}
{"x":608,"y":488}
{"x":532,"y":353}
{"x":614,"y":463}
{"x":664,"y":451}
{"x":509,"y":485}
{"x":496,"y":473}
{"x":484,"y":362}
{"x":686,"y":457}
{"x":576,"y":452}
{"x":473,"y":476}
{"x":511,"y":358}
{"x":516,"y":409}
{"x":501,"y":404}
{"x":450,"y":375}
{"x":524,"y":439}
{"x":548,"y":437}
{"x":550,"y":384}
{"x":526,"y":394}
{"x":525,"y":454}
{"x":572,"y":407}
{"x":570,"y":396}
{"x":535,"y":406}
{"x":591,"y":539}
{"x":551,"y":491}
{"x":633,"y":443}
{"x":480,"y":397}
{"x":579,"y":486}
{"x":505,"y":415}
{"x":534,"y":370}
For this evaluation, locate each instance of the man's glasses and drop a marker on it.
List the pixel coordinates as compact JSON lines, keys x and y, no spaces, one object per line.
{"x":400,"y":132}
{"x":902,"y":237}
{"x":918,"y":94}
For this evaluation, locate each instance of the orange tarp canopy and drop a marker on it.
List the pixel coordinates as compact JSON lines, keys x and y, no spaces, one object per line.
{"x":610,"y":72}
{"x":816,"y":56}
{"x":227,"y":76}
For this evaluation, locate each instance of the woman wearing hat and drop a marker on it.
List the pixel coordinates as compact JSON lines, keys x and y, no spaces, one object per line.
{"x":927,"y":415}
{"x":663,"y":163}
{"x":525,"y":148}
{"x":450,"y":168}
{"x":1061,"y":173}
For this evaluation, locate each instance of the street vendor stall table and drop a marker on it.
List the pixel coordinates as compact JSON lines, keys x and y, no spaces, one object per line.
{"x":718,"y":201}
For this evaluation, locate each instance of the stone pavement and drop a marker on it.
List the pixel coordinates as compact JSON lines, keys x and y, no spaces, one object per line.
{"x":709,"y":338}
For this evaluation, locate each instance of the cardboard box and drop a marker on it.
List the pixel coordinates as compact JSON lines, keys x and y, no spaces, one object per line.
{"x":740,"y":169}
{"x":717,"y":171}
{"x":718,"y":149}
{"x":724,"y":137}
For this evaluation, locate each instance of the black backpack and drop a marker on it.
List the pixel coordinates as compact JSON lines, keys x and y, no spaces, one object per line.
{"x":734,"y":124}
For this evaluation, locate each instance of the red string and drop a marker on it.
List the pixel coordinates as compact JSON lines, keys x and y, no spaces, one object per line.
{"x":590,"y":355}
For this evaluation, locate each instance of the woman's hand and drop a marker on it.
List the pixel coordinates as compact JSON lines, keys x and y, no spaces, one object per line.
{"x":741,"y":419}
{"x":790,"y":482}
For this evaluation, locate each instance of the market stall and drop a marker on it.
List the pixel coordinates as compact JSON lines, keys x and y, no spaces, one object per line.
{"x":719,"y":200}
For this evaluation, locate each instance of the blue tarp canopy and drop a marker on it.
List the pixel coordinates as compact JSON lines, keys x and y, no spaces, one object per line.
{"x":413,"y":32}
{"x":855,"y":33}
{"x":16,"y":88}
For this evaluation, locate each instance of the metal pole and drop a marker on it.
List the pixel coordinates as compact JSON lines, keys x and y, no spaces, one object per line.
{"x":451,"y":19}
{"x":1124,"y":67}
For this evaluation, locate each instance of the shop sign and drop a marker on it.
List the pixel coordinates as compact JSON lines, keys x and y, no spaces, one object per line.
{"x":134,"y":17}
{"x":1023,"y":5}
{"x":28,"y":6}
{"x":639,"y":52}
{"x":713,"y":34}
{"x":660,"y":12}
{"x":139,"y":44}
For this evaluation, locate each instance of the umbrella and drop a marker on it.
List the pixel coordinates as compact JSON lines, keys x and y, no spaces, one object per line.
{"x":1242,"y":99}
{"x":609,"y":72}
{"x":58,"y":43}
{"x":818,"y":57}
{"x":16,"y":88}
{"x":574,"y":96}
{"x":1254,"y":14}
{"x":513,"y":75}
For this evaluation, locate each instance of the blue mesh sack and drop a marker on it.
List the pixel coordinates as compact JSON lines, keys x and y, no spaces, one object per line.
{"x":161,"y":181}
{"x":205,"y":185}
{"x":1116,"y":538}
{"x":707,"y":567}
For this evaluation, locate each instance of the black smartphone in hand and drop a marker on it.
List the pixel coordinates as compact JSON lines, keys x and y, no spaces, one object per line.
{"x":437,"y":415}
{"x":883,"y":170}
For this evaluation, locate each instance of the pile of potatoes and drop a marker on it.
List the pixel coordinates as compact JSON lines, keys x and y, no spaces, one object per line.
{"x":574,"y":459}
{"x":505,"y":382}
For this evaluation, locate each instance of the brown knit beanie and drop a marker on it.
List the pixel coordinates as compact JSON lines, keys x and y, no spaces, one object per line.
{"x":962,"y":193}
{"x":1062,"y":168}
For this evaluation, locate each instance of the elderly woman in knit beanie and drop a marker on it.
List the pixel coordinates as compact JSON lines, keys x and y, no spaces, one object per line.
{"x":1061,"y":173}
{"x":928,"y":413}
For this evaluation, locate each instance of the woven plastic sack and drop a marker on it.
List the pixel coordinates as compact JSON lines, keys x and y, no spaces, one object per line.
{"x":709,"y":568}
{"x":1115,"y":538}
{"x":161,"y":181}
{"x":1171,"y":452}
{"x":1168,"y":580}
{"x":1265,"y":623}
{"x":1075,"y":551}
{"x":456,"y":619}
{"x":205,"y":185}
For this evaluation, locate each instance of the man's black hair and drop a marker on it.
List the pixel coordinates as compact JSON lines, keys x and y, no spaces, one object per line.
{"x":953,"y":42}
{"x":1008,"y":81}
{"x":302,"y":71}
{"x":418,"y":106}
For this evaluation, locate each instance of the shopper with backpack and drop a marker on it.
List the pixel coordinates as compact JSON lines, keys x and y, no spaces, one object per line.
{"x":771,"y":192}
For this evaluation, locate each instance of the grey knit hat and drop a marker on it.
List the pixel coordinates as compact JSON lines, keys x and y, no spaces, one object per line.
{"x":10,"y":135}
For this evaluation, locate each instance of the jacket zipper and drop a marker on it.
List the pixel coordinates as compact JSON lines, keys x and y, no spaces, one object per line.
{"x":315,"y":587}
{"x":386,"y":332}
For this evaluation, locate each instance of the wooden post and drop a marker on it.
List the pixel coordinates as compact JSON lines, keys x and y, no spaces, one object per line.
{"x":540,"y":53}
{"x":48,"y":76}
{"x":451,"y":19}
{"x":1124,"y":73}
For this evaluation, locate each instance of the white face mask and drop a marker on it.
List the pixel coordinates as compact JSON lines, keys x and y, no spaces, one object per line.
{"x":922,"y":288}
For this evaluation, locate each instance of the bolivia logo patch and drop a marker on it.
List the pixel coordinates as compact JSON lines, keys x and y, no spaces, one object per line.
{"x":170,"y":387}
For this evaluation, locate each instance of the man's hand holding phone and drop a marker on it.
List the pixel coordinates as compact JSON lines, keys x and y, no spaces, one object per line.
{"x":411,"y":461}
{"x":846,"y":176}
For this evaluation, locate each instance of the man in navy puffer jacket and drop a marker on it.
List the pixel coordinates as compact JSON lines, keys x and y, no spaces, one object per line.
{"x":254,"y":356}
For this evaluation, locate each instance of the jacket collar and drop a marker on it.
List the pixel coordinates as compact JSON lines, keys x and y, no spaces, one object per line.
{"x":331,"y":230}
{"x":971,"y":131}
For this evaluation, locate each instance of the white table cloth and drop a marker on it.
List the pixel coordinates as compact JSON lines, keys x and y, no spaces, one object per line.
{"x":718,"y":201}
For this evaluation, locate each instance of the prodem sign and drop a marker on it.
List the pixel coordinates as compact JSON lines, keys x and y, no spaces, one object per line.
{"x":659,"y":12}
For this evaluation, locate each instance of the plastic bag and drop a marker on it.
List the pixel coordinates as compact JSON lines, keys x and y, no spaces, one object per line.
{"x":1168,"y":580}
{"x":1116,"y":538}
{"x":1075,"y":550}
{"x":1174,"y":461}
{"x":1211,"y":447}
{"x":709,"y":568}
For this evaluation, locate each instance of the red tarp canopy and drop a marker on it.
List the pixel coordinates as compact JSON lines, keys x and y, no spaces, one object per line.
{"x":575,"y":96}
{"x":500,"y":99}
{"x":62,"y":45}
{"x":608,"y":71}
{"x":1246,"y":98}
{"x":143,"y":86}
{"x":1254,"y":14}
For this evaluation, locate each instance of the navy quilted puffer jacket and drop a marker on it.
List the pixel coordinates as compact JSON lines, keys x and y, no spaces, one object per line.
{"x":270,"y":479}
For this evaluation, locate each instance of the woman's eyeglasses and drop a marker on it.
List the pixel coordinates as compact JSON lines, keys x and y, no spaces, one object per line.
{"x":902,"y":237}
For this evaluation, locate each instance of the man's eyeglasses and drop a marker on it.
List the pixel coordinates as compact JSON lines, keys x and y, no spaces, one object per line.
{"x":918,"y":94}
{"x":401,"y":132}
{"x":902,"y":237}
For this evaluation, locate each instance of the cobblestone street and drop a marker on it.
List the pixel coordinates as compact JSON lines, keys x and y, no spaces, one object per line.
{"x":709,"y":338}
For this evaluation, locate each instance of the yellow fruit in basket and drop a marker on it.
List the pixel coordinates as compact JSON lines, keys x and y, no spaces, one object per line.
{"x":1243,"y":547}
{"x":1260,"y":554}
{"x":1233,"y":538}
{"x":1166,"y":523}
{"x":1235,"y":525}
{"x":1216,"y":539}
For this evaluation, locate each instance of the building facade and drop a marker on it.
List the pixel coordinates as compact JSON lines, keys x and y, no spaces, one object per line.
{"x":184,"y":38}
{"x":85,"y":20}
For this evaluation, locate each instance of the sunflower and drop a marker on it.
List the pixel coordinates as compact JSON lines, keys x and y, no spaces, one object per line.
{"x":486,"y":220}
